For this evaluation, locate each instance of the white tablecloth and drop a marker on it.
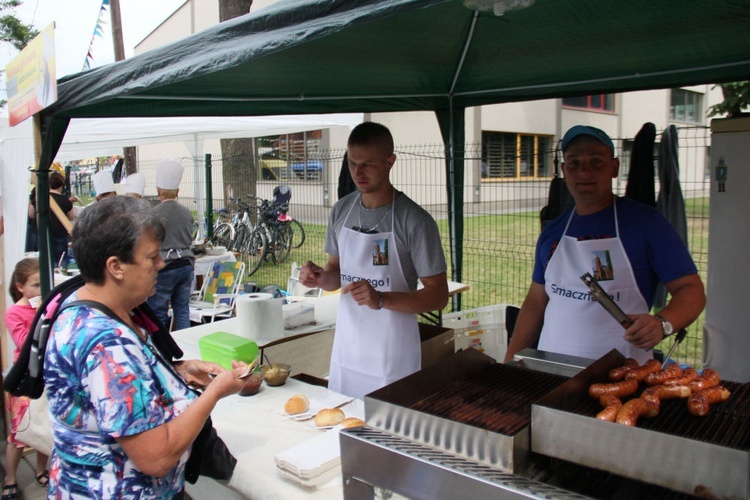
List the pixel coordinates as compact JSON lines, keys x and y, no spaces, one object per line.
{"x":255,"y":430}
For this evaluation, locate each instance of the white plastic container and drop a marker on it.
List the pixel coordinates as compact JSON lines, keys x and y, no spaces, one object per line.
{"x":482,"y":329}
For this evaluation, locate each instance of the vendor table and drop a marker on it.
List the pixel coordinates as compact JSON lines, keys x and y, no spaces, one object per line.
{"x":436,"y":317}
{"x":255,"y":429}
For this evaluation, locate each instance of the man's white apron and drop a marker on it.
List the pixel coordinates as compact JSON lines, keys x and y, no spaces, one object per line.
{"x":371,"y":348}
{"x":574,"y":323}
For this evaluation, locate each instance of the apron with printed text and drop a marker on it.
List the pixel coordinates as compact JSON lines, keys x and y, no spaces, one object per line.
{"x":371,"y":348}
{"x":574,"y":323}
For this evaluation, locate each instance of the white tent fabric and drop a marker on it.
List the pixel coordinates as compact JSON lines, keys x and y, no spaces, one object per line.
{"x":107,"y":136}
{"x":97,"y":134}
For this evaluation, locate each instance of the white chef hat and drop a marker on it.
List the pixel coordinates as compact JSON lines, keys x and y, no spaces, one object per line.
{"x":135,"y":183}
{"x":103,"y":182}
{"x":168,"y":174}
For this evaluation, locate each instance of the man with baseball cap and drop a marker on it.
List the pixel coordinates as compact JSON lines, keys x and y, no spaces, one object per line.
{"x":175,"y":280}
{"x":627,"y":246}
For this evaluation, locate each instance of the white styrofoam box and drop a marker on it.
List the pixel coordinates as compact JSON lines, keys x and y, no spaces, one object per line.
{"x":482,"y":329}
{"x":297,"y":314}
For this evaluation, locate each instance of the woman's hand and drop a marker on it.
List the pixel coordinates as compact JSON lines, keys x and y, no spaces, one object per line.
{"x":227,"y":382}
{"x":198,"y":372}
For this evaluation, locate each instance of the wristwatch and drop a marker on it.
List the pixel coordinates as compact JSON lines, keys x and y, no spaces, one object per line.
{"x":666,"y":327}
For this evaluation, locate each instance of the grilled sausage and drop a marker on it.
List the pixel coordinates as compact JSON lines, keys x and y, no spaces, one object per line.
{"x":657,"y":378}
{"x":612,"y":405}
{"x":688,"y":376}
{"x":700,"y":402}
{"x":619,"y":389}
{"x":635,"y":408}
{"x":708,"y":378}
{"x":618,"y":374}
{"x":660,"y":392}
{"x":640,"y":373}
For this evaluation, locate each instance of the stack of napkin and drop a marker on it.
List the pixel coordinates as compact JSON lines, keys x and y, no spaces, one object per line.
{"x":314,"y":462}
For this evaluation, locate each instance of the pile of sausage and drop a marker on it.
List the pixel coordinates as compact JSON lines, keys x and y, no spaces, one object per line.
{"x":701,"y":391}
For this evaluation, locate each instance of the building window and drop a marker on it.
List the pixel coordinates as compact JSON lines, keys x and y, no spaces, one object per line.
{"x":596,"y":102}
{"x":291,"y":156}
{"x":516,"y":156}
{"x":686,"y":106}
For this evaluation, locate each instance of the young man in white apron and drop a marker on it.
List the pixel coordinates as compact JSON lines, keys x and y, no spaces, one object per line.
{"x":627,"y":246}
{"x":376,"y":257}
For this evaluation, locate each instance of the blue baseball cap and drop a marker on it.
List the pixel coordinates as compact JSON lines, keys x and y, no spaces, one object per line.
{"x":594,"y":132}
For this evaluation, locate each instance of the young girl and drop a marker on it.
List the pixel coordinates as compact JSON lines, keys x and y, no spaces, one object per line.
{"x":24,"y":289}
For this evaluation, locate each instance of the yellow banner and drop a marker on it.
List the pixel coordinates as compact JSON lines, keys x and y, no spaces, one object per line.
{"x":30,"y":77}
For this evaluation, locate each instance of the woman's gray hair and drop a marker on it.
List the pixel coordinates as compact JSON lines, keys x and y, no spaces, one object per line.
{"x":112,"y":227}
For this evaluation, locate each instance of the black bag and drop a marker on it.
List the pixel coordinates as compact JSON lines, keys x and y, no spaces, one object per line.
{"x":559,"y":199}
{"x":209,"y":456}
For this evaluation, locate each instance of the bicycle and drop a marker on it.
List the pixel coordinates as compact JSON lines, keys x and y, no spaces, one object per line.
{"x":276,"y":226}
{"x":251,"y":244}
{"x":282,"y":195}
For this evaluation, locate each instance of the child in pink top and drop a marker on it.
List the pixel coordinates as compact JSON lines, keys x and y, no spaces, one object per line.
{"x":24,"y":289}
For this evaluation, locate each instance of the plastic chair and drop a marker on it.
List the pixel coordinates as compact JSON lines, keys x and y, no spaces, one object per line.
{"x":216,"y":298}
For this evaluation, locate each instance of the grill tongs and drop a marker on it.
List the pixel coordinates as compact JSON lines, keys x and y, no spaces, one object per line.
{"x":599,"y":295}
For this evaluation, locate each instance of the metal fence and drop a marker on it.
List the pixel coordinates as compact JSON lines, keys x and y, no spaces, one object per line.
{"x":501,"y":215}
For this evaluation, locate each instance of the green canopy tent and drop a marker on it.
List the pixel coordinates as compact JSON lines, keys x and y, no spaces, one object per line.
{"x":319,"y":56}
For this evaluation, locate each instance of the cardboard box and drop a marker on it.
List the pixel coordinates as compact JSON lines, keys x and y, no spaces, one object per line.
{"x":437,"y":343}
{"x":223,"y":348}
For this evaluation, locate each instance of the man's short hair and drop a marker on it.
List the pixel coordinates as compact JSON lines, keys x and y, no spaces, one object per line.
{"x":169,"y":194}
{"x":56,"y":180}
{"x":369,"y":133}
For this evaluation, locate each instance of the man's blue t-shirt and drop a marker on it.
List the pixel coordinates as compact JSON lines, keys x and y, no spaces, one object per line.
{"x":654,"y":249}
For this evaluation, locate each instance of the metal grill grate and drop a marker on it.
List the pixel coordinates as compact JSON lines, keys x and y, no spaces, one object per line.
{"x":498,"y":398}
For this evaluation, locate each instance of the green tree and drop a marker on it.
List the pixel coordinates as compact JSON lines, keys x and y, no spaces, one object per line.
{"x":237,"y":155}
{"x":12,"y":30}
{"x":736,"y":100}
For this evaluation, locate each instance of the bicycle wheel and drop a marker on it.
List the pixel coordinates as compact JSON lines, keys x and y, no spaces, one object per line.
{"x":223,"y":235}
{"x":254,"y":251}
{"x":282,"y":242}
{"x":298,"y":233}
{"x":269,"y":234}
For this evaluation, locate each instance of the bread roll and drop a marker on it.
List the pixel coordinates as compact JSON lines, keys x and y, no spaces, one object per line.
{"x":297,"y":404}
{"x":328,"y":417}
{"x":352,"y":422}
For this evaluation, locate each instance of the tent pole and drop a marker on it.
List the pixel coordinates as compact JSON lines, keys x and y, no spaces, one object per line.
{"x":452,"y":127}
{"x":209,"y":197}
{"x":46,"y":266}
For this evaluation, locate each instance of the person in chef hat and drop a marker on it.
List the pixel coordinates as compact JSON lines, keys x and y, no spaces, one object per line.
{"x":175,"y":280}
{"x":134,"y":185}
{"x":104,"y":186}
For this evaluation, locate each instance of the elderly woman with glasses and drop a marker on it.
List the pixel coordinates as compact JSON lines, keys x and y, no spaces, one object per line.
{"x":123,"y":415}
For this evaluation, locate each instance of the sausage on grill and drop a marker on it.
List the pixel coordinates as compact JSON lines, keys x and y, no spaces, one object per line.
{"x":708,"y":378}
{"x":619,"y":389}
{"x":688,"y":376}
{"x":660,"y":392}
{"x":617,"y":374}
{"x":700,"y":402}
{"x":638,"y":407}
{"x":657,"y":378}
{"x":640,"y":373}
{"x":612,"y":405}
